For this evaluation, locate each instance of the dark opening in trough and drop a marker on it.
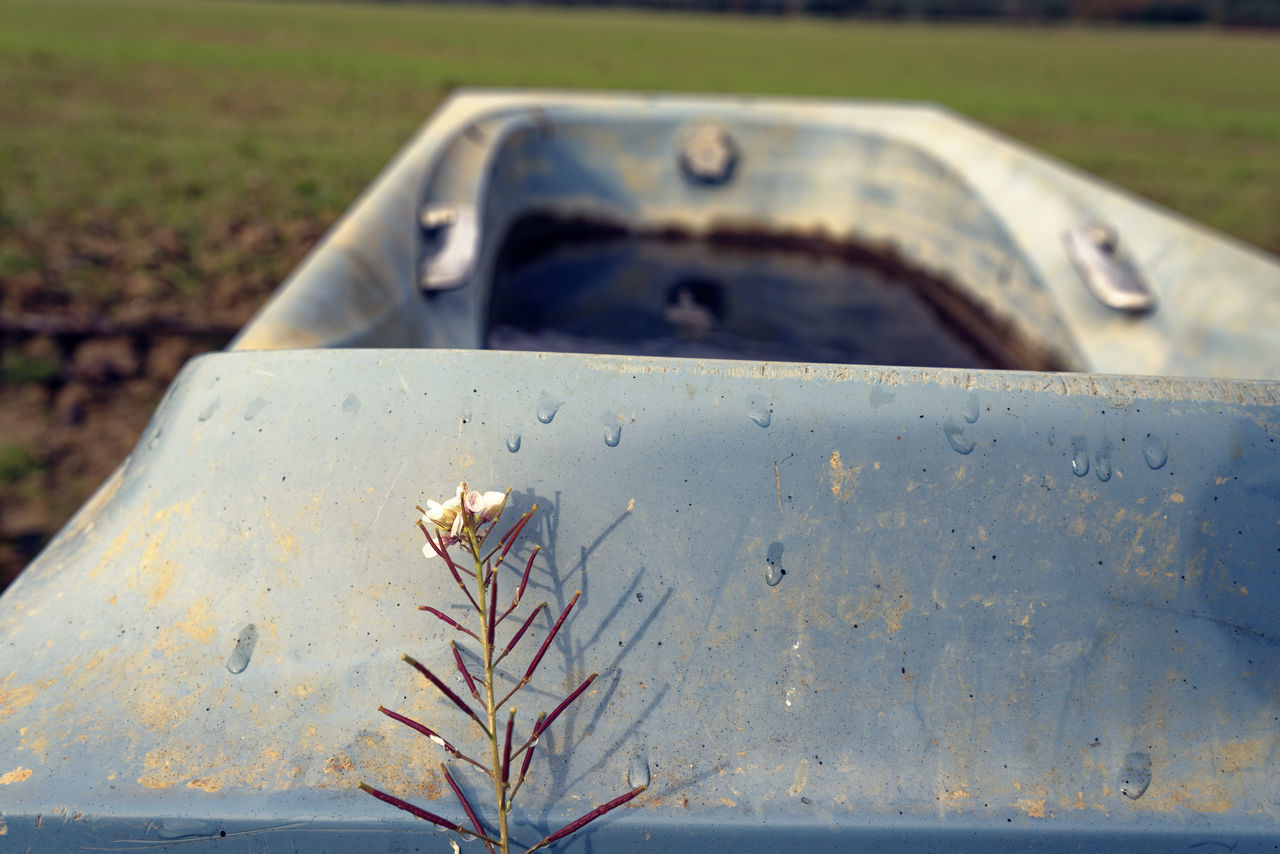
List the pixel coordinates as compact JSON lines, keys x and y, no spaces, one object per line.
{"x":589,"y":286}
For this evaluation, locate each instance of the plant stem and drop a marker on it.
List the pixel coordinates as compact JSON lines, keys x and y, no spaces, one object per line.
{"x":487,"y":627}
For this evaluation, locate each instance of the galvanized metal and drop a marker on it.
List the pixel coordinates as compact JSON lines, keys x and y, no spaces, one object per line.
{"x":834,"y":608}
{"x":940,"y":192}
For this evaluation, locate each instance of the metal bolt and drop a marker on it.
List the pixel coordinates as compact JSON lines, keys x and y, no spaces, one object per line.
{"x":707,"y":154}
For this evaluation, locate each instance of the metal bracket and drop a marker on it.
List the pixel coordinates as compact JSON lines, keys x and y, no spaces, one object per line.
{"x":1116,"y":284}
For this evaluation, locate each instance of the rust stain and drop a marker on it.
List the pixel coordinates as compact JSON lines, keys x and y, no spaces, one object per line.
{"x":17,"y":775}
{"x":167,"y":767}
{"x":12,"y":699}
{"x":958,"y":794}
{"x":160,"y":570}
{"x":286,"y":542}
{"x":843,"y":480}
{"x":777,"y":482}
{"x":1234,"y":756}
{"x":1033,"y":807}
{"x":213,"y":770}
{"x":801,"y":778}
{"x":339,"y":763}
{"x":1177,"y":497}
{"x":1184,"y":797}
{"x":892,"y":519}
{"x":1079,"y":803}
{"x":888,"y":599}
{"x":39,"y":746}
{"x":198,"y":624}
{"x":156,"y":710}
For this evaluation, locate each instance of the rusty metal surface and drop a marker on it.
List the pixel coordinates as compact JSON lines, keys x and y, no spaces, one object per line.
{"x":1008,"y":610}
{"x":947,"y":196}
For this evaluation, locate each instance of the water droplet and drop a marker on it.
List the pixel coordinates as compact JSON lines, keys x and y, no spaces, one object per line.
{"x":773,"y":570}
{"x":638,"y":769}
{"x":1079,"y":456}
{"x":1102,"y":462}
{"x":351,"y":404}
{"x":245,"y":642}
{"x":1153,"y":451}
{"x":253,"y":409}
{"x":1135,"y":777}
{"x":760,"y":411}
{"x":548,"y":406}
{"x":956,"y":438}
{"x":513,"y":442}
{"x":970,"y":411}
{"x":207,"y":412}
{"x":612,"y":435}
{"x":879,"y":396}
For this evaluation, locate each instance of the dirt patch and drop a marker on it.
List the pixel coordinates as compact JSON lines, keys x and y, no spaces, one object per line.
{"x":94,"y":324}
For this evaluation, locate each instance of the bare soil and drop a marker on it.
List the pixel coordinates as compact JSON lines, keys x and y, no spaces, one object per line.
{"x":82,"y":368}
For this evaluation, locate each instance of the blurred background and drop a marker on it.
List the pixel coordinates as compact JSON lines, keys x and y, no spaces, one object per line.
{"x":165,"y":163}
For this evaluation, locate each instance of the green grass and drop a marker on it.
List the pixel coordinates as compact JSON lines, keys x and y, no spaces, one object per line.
{"x":21,"y":369}
{"x":192,"y":114}
{"x":16,"y":462}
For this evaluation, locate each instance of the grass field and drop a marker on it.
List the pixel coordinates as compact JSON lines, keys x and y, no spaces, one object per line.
{"x":176,"y":112}
{"x":162,"y":159}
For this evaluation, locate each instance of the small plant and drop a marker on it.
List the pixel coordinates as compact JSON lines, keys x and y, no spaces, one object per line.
{"x":467,"y":521}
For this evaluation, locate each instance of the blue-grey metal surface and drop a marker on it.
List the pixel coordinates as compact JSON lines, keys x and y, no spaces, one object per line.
{"x":941,"y":193}
{"x":1008,"y":611}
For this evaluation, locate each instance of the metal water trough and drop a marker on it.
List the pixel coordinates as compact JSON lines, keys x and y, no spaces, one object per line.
{"x":834,"y":606}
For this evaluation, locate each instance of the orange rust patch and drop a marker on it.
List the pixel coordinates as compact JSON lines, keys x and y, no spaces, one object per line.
{"x":12,"y":699}
{"x":198,"y":625}
{"x":1033,"y":807}
{"x":1235,"y":756}
{"x":1211,"y":801}
{"x":17,"y":775}
{"x":339,"y":763}
{"x":843,"y":480}
{"x":888,"y":599}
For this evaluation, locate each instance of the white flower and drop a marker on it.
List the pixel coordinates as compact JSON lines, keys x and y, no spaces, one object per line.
{"x":449,"y":520}
{"x":446,"y":517}
{"x":485,"y":506}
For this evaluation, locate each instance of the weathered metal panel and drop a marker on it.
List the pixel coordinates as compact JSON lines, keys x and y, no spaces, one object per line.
{"x":1008,"y":599}
{"x":943,"y":193}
